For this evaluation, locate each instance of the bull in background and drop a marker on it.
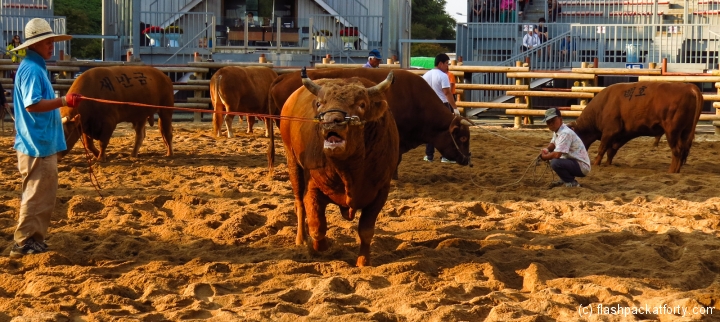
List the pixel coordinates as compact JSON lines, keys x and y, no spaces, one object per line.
{"x":240,"y":89}
{"x":136,"y":84}
{"x":347,"y":158}
{"x":622,"y":112}
{"x":419,"y":114}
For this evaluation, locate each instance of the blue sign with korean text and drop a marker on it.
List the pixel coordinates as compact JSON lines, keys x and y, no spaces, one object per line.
{"x":633,"y":66}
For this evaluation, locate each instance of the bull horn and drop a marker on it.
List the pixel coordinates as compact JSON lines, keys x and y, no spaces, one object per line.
{"x":308,"y":83}
{"x":466,"y":122}
{"x":382,"y":86}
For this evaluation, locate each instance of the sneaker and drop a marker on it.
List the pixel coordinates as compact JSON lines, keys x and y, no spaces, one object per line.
{"x":443,"y":160}
{"x":556,"y":184}
{"x":427,"y":159}
{"x":572,"y":184}
{"x":30,"y":247}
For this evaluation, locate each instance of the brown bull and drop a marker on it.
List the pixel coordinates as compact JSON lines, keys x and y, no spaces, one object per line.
{"x":240,"y":89}
{"x":137,"y":84}
{"x":419,"y":114}
{"x":622,"y":112}
{"x":347,"y":158}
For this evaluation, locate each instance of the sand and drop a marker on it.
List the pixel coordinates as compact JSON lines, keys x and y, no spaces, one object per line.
{"x":208,"y":235}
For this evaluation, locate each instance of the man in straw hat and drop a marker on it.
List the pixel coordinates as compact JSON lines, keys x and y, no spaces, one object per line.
{"x":39,"y":137}
{"x":566,"y":152}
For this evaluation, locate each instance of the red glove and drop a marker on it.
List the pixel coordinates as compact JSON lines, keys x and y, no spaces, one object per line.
{"x":73,"y":100}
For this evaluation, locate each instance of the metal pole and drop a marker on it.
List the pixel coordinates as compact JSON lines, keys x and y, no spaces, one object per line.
{"x":136,"y":28}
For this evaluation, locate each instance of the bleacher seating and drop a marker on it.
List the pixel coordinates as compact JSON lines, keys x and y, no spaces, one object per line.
{"x":582,"y":13}
{"x":24,"y":6}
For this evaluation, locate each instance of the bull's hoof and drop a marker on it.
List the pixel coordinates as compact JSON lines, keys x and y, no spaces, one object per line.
{"x":363,"y":261}
{"x":321,"y":245}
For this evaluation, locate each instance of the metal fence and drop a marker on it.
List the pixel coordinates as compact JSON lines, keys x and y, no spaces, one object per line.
{"x":693,"y":46}
{"x":15,"y":25}
{"x":339,"y":36}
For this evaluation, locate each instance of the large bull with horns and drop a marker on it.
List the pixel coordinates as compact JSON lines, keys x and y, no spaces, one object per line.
{"x":129,"y":84}
{"x":346,"y":157}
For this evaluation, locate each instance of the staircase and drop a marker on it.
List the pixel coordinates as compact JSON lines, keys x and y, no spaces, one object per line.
{"x":349,"y":14}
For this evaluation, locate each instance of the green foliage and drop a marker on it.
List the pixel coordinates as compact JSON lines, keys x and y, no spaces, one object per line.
{"x":430,"y":21}
{"x":83,"y":17}
{"x":431,"y":14}
{"x":427,"y":50}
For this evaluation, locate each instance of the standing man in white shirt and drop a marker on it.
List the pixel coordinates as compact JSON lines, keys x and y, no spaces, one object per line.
{"x":440,"y":83}
{"x":531,"y":39}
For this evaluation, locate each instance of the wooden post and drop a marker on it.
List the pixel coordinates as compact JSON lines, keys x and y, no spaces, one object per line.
{"x":62,"y":54}
{"x":652,"y":65}
{"x":128,"y":56}
{"x":197,"y":116}
{"x":595,"y":62}
{"x":262,"y":59}
{"x":663,"y":67}
{"x":717,"y":123}
{"x":519,"y":81}
{"x":583,"y":83}
{"x":196,"y":57}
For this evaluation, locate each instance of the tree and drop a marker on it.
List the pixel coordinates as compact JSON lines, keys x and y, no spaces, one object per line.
{"x":82,"y":17}
{"x":430,"y":21}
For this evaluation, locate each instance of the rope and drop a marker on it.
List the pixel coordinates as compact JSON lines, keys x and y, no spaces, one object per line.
{"x":535,"y":162}
{"x":88,"y":156}
{"x":269,"y":116}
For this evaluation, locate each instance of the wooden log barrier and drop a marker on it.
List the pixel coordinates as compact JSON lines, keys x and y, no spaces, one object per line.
{"x":552,"y":75}
{"x":390,"y":66}
{"x":529,"y":112}
{"x":618,"y":71}
{"x":551,"y":94}
{"x":492,"y":87}
{"x":490,"y":105}
{"x":686,"y":79}
{"x":587,"y":89}
{"x":489,"y":69}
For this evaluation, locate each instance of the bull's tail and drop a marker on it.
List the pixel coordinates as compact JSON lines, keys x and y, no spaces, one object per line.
{"x":271,"y":131}
{"x":688,"y":140}
{"x":271,"y":145}
{"x":218,"y":104}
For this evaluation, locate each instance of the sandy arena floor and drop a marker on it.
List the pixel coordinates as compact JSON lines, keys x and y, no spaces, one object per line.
{"x":207,"y":235}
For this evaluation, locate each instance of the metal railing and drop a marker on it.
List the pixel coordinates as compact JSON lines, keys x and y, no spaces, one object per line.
{"x":613,"y":11}
{"x":618,"y":45}
{"x":488,"y":43}
{"x":348,"y":8}
{"x":15,"y":25}
{"x":330,"y":38}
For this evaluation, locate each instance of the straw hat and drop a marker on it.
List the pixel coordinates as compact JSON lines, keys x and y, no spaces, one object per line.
{"x":38,"y":30}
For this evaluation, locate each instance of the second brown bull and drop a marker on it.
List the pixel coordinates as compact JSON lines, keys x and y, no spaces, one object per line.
{"x":240,"y":89}
{"x":420,"y":116}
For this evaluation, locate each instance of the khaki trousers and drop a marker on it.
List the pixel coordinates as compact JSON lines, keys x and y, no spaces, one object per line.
{"x":39,"y":186}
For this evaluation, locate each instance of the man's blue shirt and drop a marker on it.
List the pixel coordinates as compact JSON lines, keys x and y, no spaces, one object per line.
{"x":39,"y":134}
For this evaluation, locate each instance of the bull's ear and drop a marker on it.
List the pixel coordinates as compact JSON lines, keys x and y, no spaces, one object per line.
{"x":376,"y":109}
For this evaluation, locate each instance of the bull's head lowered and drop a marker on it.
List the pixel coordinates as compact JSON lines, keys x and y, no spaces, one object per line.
{"x":343,"y":107}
